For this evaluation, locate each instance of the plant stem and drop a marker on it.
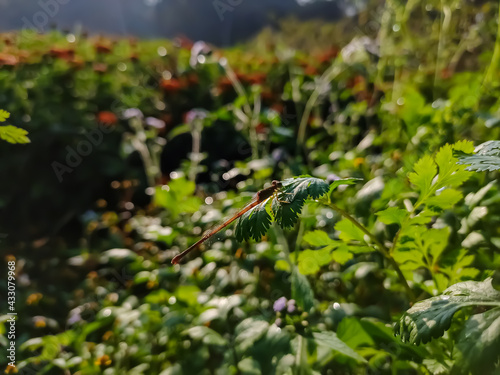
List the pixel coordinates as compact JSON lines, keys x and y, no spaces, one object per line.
{"x":328,"y":76}
{"x":382,"y":248}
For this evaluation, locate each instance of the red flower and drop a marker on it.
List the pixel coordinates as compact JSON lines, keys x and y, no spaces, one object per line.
{"x":102,"y":48}
{"x":107,"y":118}
{"x":328,"y":55}
{"x":62,"y":53}
{"x":311,"y":70}
{"x":224,"y":85}
{"x":171,"y":85}
{"x":100,"y":68}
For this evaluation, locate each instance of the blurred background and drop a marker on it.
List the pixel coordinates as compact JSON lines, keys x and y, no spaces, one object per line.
{"x":220,"y":22}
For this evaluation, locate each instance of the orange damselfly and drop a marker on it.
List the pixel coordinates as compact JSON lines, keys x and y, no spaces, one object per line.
{"x":260,"y":197}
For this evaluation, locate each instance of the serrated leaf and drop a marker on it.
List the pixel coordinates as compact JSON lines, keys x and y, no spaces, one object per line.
{"x":4,"y":115}
{"x":425,"y":171}
{"x":301,"y":290}
{"x":392,"y":215}
{"x":348,"y":231}
{"x":318,"y":238}
{"x":330,"y":340}
{"x":445,"y":200}
{"x":430,"y":318}
{"x":13,"y":134}
{"x":450,"y":173}
{"x":310,"y":261}
{"x":254,"y":223}
{"x":287,"y":207}
{"x":478,"y":343}
{"x":486,"y":158}
{"x":343,"y":181}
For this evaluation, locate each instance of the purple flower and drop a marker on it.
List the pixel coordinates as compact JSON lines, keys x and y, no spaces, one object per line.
{"x":132,"y":112}
{"x":155,"y":123}
{"x":290,"y":306}
{"x":196,"y":113}
{"x":278,"y":322}
{"x":279,"y":304}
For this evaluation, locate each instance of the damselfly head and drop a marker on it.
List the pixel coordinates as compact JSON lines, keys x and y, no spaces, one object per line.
{"x":276,"y":184}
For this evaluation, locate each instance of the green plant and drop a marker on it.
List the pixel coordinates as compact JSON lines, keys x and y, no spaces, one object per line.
{"x":11,"y":134}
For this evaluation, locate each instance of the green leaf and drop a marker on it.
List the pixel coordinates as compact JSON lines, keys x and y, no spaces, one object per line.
{"x":177,"y":197}
{"x":445,"y":200}
{"x":294,"y":193}
{"x":310,"y":261}
{"x":301,"y":290}
{"x":351,"y":331}
{"x":348,"y":231}
{"x":392,"y":215}
{"x":450,"y":173}
{"x":330,"y":340}
{"x":4,"y":115}
{"x":206,"y":335}
{"x":430,"y":318}
{"x":187,"y":294}
{"x":249,"y":366}
{"x":248,"y":332}
{"x":486,"y":157}
{"x":478,"y":343}
{"x":318,"y":238}
{"x":343,"y":254}
{"x":343,"y":181}
{"x":13,"y":134}
{"x":254,"y":223}
{"x":425,"y":171}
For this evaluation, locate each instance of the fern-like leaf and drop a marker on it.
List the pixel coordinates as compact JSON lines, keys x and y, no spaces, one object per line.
{"x":486,"y":157}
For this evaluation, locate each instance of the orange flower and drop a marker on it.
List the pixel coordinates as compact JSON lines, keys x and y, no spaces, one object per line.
{"x":11,"y":370}
{"x":107,"y":118}
{"x":358,"y":161}
{"x":34,"y":298}
{"x":7,"y":59}
{"x":103,"y":361}
{"x":40,"y":322}
{"x":107,"y":335}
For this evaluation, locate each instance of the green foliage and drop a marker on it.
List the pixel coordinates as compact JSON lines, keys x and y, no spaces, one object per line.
{"x":478,"y":341}
{"x":11,"y":133}
{"x":98,"y":292}
{"x":486,"y":157}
